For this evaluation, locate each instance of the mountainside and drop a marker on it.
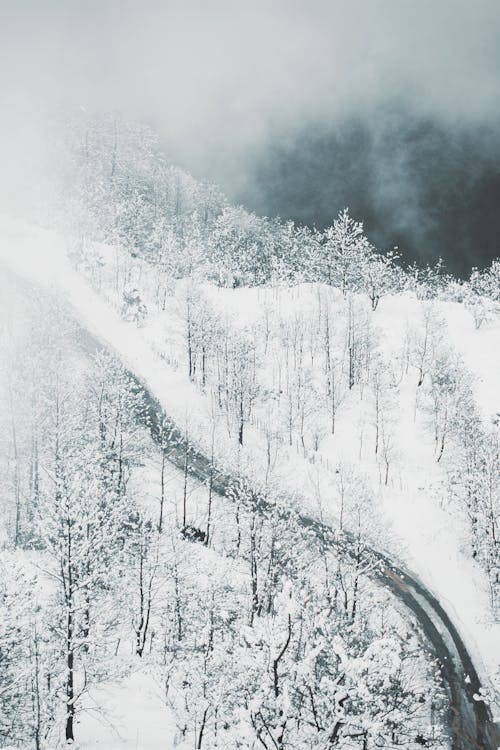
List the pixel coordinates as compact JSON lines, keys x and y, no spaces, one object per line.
{"x":220,"y":433}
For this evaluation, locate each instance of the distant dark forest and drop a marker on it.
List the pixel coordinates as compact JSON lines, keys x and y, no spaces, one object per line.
{"x":429,"y":189}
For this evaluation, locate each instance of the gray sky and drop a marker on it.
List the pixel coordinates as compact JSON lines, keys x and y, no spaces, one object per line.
{"x":227,"y":81}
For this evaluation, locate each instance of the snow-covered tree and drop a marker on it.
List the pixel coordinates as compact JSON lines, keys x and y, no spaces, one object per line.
{"x":343,"y":251}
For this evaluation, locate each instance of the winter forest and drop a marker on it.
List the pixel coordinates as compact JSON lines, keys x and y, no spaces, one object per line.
{"x":250,"y":473}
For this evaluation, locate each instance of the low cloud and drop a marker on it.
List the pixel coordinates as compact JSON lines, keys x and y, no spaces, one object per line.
{"x":227,"y":81}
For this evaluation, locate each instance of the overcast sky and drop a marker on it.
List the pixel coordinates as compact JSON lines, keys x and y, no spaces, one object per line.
{"x":240,"y":89}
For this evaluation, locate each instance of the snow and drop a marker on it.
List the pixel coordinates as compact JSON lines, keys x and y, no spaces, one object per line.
{"x":128,"y":715}
{"x":432,"y":533}
{"x":39,"y":256}
{"x":420,"y":529}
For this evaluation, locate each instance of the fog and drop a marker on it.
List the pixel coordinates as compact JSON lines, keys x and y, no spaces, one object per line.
{"x":388,"y":106}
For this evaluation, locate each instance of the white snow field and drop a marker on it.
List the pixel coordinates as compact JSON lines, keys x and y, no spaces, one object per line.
{"x":415,"y":522}
{"x":128,"y":715}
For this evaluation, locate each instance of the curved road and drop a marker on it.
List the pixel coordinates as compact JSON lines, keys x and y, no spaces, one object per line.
{"x":470,"y":724}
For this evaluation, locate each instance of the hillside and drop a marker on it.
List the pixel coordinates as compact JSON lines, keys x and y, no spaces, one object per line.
{"x":325,"y":382}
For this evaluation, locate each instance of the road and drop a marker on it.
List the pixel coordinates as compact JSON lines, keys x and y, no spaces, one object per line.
{"x":470,"y":722}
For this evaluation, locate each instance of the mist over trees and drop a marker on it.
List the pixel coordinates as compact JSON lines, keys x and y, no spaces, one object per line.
{"x":134,"y":542}
{"x":121,"y":189}
{"x":421,"y":183}
{"x":181,"y":228}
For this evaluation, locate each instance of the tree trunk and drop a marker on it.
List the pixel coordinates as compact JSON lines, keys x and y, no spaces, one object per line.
{"x":242,"y":421}
{"x":209,"y":509}
{"x":202,"y":729}
{"x":162,"y":493}
{"x":70,"y":664}
{"x":184,"y":492}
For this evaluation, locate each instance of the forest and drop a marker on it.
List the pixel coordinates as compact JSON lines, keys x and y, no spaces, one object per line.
{"x":210,"y":490}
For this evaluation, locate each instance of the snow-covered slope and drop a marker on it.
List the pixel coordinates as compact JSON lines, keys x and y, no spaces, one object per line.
{"x":413,"y":517}
{"x":125,"y":716}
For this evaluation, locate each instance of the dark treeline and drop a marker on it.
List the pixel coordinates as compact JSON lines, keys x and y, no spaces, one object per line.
{"x":418,"y":183}
{"x":119,"y":188}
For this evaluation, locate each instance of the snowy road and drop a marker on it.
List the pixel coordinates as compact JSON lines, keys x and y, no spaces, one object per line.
{"x":470,"y":723}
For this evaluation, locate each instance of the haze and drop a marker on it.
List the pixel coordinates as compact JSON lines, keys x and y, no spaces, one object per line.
{"x":295,"y":108}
